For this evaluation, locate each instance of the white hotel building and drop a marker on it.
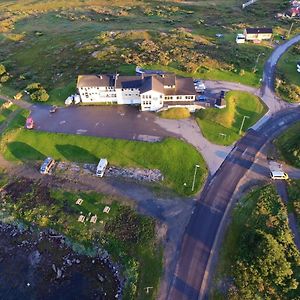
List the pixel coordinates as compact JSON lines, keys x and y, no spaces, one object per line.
{"x":152,"y":92}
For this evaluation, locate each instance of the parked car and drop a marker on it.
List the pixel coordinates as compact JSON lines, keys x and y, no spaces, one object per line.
{"x":199,"y":84}
{"x":29,"y":123}
{"x":298,"y":67}
{"x":53,"y":109}
{"x":47,"y":165}
{"x":279,"y":175}
{"x":201,"y":98}
{"x":101,"y":167}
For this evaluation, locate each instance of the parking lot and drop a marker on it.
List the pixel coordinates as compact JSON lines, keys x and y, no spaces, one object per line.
{"x":125,"y":122}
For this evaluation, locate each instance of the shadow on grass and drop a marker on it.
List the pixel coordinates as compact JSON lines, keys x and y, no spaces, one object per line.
{"x":75,"y":153}
{"x":24,"y":152}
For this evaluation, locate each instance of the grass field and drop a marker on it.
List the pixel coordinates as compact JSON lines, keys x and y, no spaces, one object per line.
{"x":258,"y":232}
{"x":288,"y":79}
{"x":52,"y":42}
{"x":175,"y":113}
{"x":288,"y":145}
{"x":174,"y":158}
{"x":222,"y":126}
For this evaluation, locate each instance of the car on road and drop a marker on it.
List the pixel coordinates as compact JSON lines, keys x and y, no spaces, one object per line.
{"x":53,"y":109}
{"x":279,"y":175}
{"x":101,"y":167}
{"x":47,"y":165}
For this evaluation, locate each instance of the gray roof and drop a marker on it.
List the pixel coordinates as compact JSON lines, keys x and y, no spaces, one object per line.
{"x":93,"y":80}
{"x":129,"y":82}
{"x":183,"y":86}
{"x":259,"y":30}
{"x":152,"y":83}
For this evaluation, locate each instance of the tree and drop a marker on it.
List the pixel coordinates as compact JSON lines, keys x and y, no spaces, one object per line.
{"x":39,"y":95}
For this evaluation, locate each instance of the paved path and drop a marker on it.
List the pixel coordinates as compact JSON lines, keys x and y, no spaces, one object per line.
{"x":188,"y":129}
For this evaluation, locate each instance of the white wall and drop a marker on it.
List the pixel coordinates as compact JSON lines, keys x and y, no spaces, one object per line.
{"x":151,"y":101}
{"x":97,"y":94}
{"x":128,"y":96}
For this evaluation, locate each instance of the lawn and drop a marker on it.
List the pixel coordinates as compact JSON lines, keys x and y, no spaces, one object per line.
{"x":258,"y":253}
{"x":129,"y":238}
{"x":288,"y":145}
{"x":174,"y":158}
{"x":222,"y":126}
{"x":288,"y":79}
{"x":175,"y":113}
{"x":52,"y":42}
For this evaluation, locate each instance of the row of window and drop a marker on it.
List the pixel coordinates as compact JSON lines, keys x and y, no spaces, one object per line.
{"x":149,"y":102}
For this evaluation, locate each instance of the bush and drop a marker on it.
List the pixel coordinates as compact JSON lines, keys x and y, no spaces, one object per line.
{"x":4,"y":78}
{"x":175,"y":113}
{"x":2,"y":69}
{"x":39,"y":95}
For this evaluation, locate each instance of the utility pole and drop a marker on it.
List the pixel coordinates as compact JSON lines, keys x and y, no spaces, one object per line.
{"x":193,"y":185}
{"x":245,"y":117}
{"x":289,"y":32}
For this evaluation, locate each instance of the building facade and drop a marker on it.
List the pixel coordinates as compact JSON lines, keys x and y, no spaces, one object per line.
{"x":151,"y":92}
{"x":258,"y":34}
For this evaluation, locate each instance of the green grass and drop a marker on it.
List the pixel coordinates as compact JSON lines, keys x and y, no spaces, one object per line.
{"x":65,"y":34}
{"x":60,"y":94}
{"x":175,"y":113}
{"x":222,"y":126}
{"x":288,"y":79}
{"x":174,"y":158}
{"x":288,"y":145}
{"x":259,"y":212}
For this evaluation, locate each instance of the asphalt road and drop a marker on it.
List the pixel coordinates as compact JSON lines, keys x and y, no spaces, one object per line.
{"x":193,"y":272}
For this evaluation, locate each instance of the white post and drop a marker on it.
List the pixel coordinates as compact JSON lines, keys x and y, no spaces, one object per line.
{"x":245,"y":117}
{"x":193,"y":186}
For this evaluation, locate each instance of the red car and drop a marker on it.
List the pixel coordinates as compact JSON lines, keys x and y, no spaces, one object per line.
{"x":29,"y":123}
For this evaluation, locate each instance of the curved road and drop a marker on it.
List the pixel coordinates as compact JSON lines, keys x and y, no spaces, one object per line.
{"x":192,"y":275}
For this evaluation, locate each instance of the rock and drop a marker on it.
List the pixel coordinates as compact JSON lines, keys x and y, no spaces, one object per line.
{"x":54,"y":268}
{"x":59,"y":273}
{"x":69,"y":262}
{"x":101,"y":279}
{"x":77,"y":261}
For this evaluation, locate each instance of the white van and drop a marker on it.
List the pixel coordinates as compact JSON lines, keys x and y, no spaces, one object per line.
{"x":101,"y":167}
{"x":279,"y":175}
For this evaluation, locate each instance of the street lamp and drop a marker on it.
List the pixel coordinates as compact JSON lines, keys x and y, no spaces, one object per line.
{"x":193,"y":185}
{"x":245,"y":117}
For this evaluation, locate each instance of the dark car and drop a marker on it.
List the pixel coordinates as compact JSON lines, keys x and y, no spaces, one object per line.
{"x":201,"y":98}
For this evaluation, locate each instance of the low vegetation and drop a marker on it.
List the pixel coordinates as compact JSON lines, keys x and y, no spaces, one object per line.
{"x":259,"y":259}
{"x":129,"y":237}
{"x":175,"y":113}
{"x":288,"y":79}
{"x":222,"y":126}
{"x":288,"y":145}
{"x":109,"y":37}
{"x":174,"y":158}
{"x":37,"y":92}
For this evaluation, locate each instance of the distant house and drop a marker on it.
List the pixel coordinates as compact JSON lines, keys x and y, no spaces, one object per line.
{"x":258,"y":34}
{"x":151,"y":92}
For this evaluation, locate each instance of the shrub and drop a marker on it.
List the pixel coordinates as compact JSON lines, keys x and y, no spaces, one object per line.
{"x":4,"y":78}
{"x":175,"y":113}
{"x":39,"y":95}
{"x":2,"y":69}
